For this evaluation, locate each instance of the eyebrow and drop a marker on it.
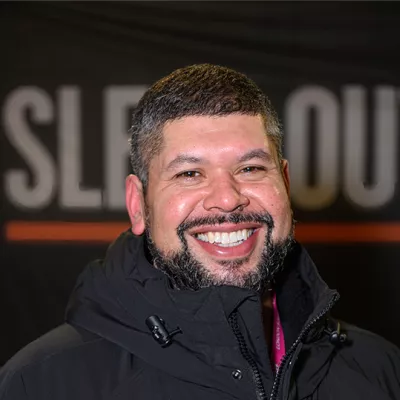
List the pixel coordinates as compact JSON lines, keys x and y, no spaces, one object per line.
{"x":256,"y":153}
{"x":182,"y":159}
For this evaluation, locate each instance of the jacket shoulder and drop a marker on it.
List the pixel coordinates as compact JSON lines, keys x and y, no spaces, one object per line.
{"x":59,"y":340}
{"x":361,"y":339}
{"x":374,"y":357}
{"x":61,"y":349}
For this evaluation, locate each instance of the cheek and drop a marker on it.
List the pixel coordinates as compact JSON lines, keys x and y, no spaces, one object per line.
{"x":271,"y":197}
{"x":280,"y":200}
{"x":275,"y":200}
{"x":282,"y":215}
{"x":169,"y":212}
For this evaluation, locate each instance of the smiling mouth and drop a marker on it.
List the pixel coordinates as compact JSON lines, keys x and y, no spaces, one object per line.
{"x":225,"y":239}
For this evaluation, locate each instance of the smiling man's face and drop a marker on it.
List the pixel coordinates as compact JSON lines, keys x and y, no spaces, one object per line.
{"x":217,"y":199}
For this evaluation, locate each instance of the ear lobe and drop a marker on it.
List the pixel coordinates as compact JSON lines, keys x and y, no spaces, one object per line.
{"x":135,"y":204}
{"x":285,"y":174}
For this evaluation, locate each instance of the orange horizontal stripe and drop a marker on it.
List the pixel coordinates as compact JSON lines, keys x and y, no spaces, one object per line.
{"x":346,"y":232}
{"x":57,"y":231}
{"x":106,"y":232}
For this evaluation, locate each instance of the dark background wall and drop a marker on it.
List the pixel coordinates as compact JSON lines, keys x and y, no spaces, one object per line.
{"x":71,"y":73}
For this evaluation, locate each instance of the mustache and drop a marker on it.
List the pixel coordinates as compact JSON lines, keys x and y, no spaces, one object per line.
{"x":235,"y":218}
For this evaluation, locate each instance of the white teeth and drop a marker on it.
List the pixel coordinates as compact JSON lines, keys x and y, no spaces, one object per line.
{"x":226,"y":239}
{"x":203,"y":237}
{"x":232,"y":237}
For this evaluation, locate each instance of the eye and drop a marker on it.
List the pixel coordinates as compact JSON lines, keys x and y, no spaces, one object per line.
{"x":253,"y":168}
{"x":188,"y":174}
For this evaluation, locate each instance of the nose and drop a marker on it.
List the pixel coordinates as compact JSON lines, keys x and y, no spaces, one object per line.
{"x":225,"y":195}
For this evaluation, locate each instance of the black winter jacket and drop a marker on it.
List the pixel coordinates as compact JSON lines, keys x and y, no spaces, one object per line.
{"x":105,"y":350}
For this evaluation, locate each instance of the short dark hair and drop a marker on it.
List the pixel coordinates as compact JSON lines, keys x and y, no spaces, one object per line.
{"x":204,"y":89}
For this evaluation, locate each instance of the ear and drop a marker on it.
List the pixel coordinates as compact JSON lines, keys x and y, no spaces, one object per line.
{"x":285,"y":174}
{"x":135,"y":204}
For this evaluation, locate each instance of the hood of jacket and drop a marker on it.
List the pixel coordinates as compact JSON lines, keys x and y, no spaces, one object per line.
{"x":114,"y":297}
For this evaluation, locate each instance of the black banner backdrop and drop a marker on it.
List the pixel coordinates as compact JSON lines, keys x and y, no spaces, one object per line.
{"x":71,"y":73}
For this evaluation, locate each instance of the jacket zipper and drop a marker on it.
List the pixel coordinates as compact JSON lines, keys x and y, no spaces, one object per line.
{"x":288,"y":355}
{"x":260,"y":391}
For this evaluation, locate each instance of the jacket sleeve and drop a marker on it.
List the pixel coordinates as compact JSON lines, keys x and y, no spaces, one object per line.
{"x":12,"y":386}
{"x":389,"y":375}
{"x":375,"y":358}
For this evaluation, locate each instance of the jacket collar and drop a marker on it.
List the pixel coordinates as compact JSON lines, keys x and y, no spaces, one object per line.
{"x":302,"y":295}
{"x":304,"y":301}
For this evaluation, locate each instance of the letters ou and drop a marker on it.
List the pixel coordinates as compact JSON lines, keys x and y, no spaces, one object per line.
{"x":385,"y":125}
{"x":117,"y":99}
{"x":34,"y":153}
{"x":297,"y":144}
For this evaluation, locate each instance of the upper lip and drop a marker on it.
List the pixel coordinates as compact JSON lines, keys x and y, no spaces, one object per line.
{"x":224,"y":228}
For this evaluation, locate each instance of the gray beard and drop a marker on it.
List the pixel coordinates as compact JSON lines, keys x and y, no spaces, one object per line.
{"x":186,"y":272}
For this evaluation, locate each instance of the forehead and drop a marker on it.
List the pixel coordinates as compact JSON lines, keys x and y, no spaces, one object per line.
{"x":209,"y":135}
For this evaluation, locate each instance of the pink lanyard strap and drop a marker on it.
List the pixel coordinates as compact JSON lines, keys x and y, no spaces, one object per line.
{"x":278,"y":340}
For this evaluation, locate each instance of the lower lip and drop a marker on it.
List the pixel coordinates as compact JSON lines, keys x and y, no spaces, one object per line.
{"x":242,"y":250}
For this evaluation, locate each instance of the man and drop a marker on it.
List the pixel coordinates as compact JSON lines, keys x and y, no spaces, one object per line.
{"x":208,"y":296}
